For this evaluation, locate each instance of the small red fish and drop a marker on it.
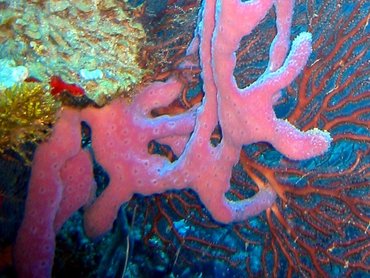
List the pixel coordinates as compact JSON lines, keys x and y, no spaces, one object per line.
{"x":58,"y":86}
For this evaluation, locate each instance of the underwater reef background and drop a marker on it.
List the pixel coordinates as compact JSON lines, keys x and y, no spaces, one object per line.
{"x":320,"y":222}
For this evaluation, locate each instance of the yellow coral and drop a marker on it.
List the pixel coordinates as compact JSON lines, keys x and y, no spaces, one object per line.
{"x":27,"y":112}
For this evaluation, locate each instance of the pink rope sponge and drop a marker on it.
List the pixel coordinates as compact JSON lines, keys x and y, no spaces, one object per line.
{"x":62,"y":179}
